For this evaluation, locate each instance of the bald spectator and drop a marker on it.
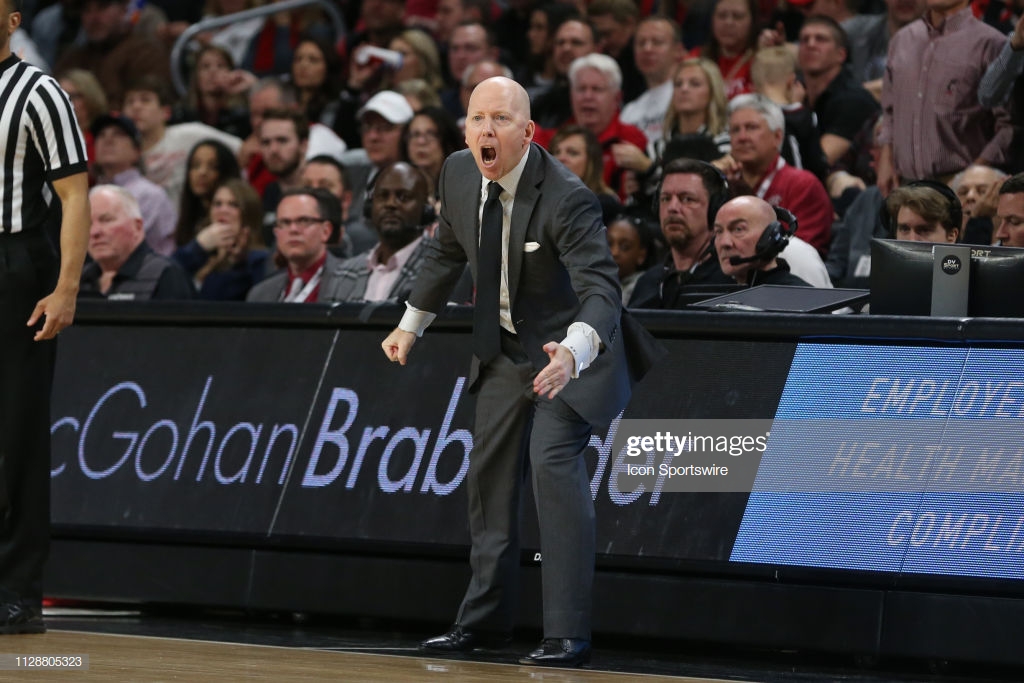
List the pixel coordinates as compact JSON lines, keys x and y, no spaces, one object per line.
{"x":118,"y":154}
{"x":742,"y":254}
{"x":755,"y":166}
{"x":112,"y":52}
{"x":123,"y":266}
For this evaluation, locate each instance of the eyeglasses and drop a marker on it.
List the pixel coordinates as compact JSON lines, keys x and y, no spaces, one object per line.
{"x":302,"y":222}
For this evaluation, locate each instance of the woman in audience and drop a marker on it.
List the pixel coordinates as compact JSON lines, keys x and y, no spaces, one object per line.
{"x":227,"y":257}
{"x":732,"y":43}
{"x":696,"y":115}
{"x":428,"y":140}
{"x":578,"y":149}
{"x":210,"y":100}
{"x":316,"y":74}
{"x":420,"y":59}
{"x":209,"y":164}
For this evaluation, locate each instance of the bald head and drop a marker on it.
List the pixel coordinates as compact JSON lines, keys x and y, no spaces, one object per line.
{"x":739,"y":224}
{"x":498,"y":126}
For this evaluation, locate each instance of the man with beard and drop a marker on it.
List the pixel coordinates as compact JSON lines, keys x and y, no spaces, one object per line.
{"x":284,"y":136}
{"x":689,"y":196}
{"x":400,"y":210}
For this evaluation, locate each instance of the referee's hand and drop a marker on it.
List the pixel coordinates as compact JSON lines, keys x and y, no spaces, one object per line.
{"x":59,"y":311}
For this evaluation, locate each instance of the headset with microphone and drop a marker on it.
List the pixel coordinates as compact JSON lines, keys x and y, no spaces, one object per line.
{"x":772,"y":241}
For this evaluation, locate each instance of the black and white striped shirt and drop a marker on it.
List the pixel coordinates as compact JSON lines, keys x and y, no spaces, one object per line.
{"x":40,"y":142}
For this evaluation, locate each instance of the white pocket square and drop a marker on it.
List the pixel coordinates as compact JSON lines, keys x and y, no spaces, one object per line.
{"x":531,"y":246}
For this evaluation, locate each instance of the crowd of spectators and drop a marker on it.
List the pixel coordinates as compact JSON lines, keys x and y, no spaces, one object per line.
{"x":830,"y":109}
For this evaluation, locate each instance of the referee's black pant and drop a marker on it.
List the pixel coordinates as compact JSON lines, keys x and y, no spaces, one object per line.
{"x":28,"y":269}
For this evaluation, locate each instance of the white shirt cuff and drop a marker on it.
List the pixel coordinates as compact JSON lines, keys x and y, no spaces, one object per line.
{"x":584,"y":344}
{"x":414,"y":320}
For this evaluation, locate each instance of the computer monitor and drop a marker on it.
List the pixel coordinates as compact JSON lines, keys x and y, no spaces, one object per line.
{"x":901,"y":279}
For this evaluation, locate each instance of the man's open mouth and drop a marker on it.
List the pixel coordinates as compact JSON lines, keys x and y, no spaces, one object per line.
{"x":488,"y":154}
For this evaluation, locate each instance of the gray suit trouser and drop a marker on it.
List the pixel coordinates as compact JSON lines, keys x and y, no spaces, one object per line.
{"x":512,"y":423}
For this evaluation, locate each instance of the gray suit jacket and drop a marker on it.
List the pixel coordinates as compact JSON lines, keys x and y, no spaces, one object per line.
{"x":350,"y":278}
{"x":273,"y":287}
{"x":569,"y":277}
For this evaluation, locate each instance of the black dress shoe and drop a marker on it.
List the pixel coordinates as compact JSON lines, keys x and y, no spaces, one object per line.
{"x":16,"y":617}
{"x":460,"y":639}
{"x":559,"y":652}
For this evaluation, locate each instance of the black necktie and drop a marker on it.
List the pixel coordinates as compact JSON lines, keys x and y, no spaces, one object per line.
{"x":486,"y":316}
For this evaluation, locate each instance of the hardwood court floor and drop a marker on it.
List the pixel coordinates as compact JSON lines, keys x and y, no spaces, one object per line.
{"x":114,"y":657}
{"x":184,"y":645}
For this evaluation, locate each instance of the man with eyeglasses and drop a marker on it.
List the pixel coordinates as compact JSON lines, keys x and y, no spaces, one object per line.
{"x":302,"y":230}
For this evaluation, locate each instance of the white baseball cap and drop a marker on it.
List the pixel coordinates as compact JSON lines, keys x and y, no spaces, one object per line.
{"x":389,"y":104}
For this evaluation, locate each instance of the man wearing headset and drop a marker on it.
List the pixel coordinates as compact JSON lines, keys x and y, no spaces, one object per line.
{"x":748,"y":235}
{"x":399,"y":211}
{"x":688,"y":198}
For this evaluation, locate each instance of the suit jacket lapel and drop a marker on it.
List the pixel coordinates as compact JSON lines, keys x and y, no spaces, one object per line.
{"x":527,"y":195}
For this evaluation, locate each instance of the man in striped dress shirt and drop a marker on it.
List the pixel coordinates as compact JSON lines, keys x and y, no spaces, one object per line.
{"x":42,"y":185}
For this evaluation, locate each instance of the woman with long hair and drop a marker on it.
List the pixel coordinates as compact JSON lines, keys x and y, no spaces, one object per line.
{"x":420,"y":59}
{"x":697,"y":110}
{"x":209,"y":164}
{"x":227,"y":256}
{"x":316,"y":75}
{"x":209,"y":99}
{"x":732,"y":44}
{"x":578,"y":149}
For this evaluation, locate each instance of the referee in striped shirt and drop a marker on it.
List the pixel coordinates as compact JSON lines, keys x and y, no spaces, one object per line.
{"x":43,"y":185}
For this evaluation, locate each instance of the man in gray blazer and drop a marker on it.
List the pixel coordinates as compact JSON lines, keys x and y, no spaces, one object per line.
{"x":302,"y":228}
{"x":399,"y":210}
{"x":553,"y":279}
